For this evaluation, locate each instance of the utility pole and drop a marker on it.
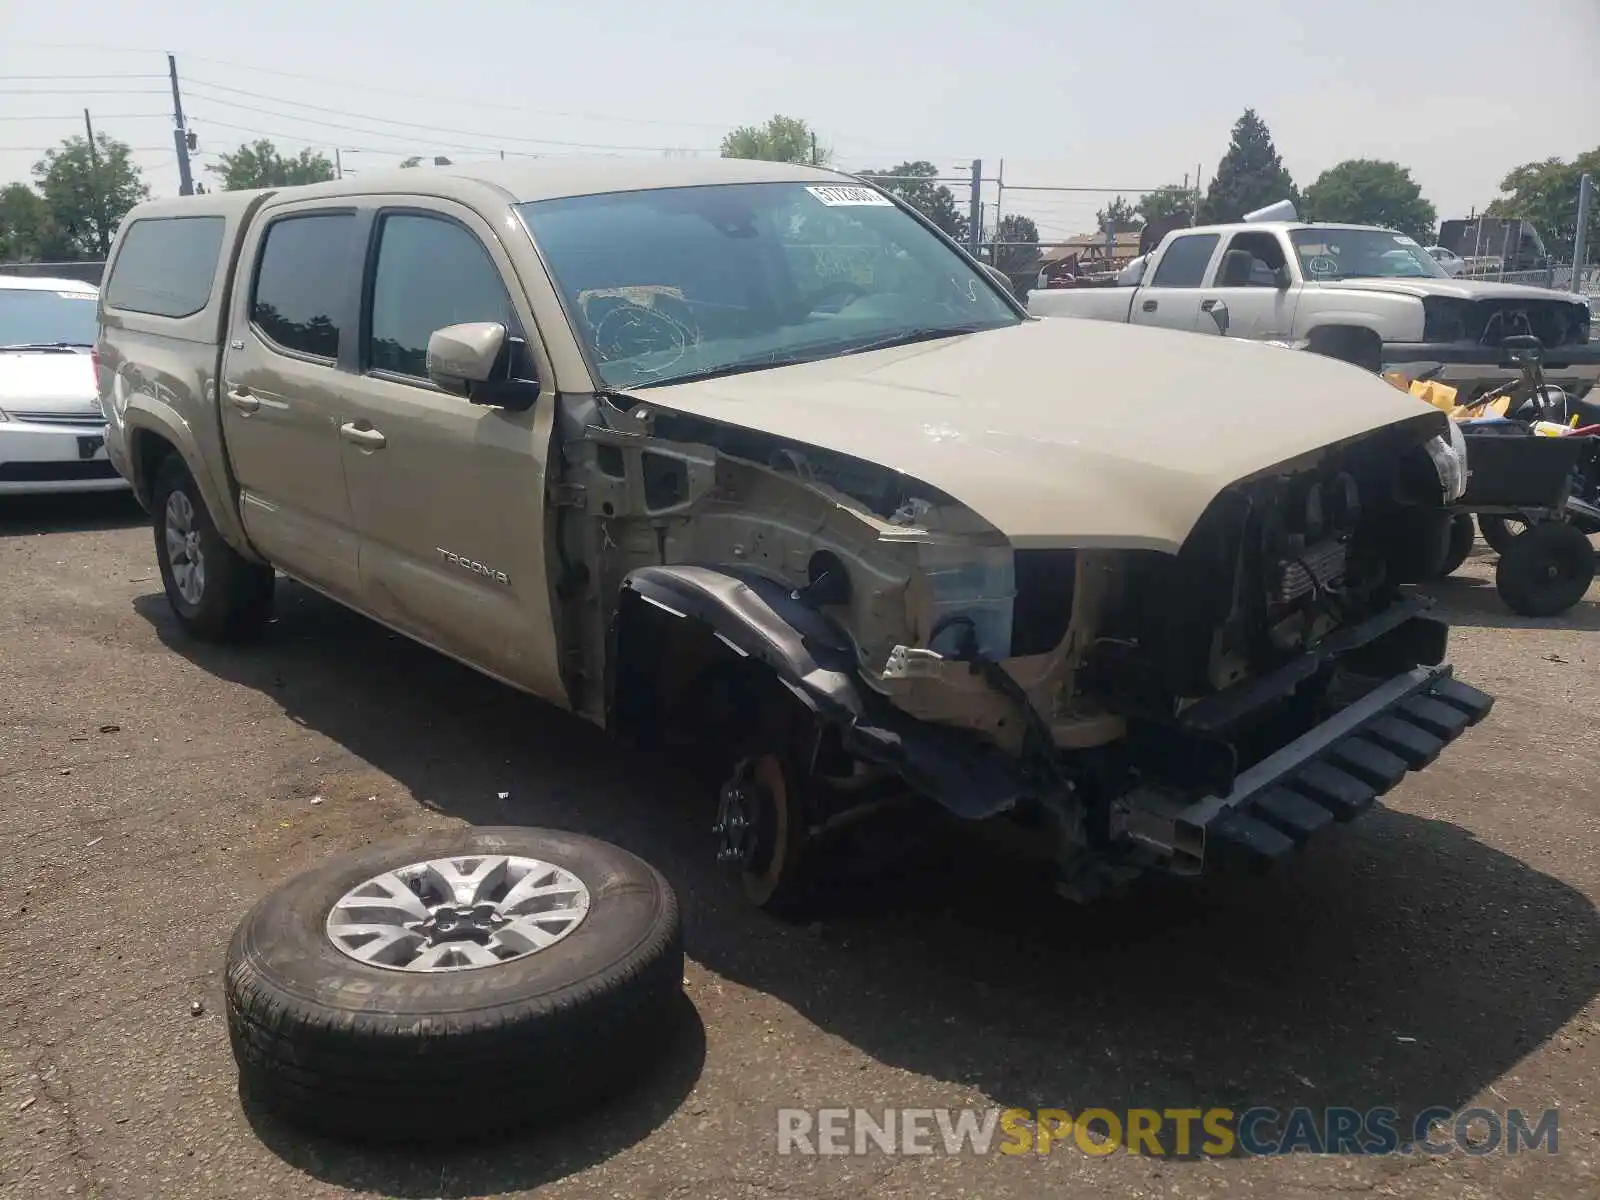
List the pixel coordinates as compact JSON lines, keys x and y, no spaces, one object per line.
{"x":180,"y":132}
{"x":975,"y":209}
{"x":999,"y":196}
{"x":1580,"y":243}
{"x":813,"y":147}
{"x":338,"y":164}
{"x":97,"y":188}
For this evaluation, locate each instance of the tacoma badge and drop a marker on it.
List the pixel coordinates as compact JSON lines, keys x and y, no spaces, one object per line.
{"x":473,"y":565}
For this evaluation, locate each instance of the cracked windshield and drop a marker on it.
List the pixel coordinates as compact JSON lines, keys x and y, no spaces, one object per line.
{"x":1332,"y":253}
{"x":682,"y":283}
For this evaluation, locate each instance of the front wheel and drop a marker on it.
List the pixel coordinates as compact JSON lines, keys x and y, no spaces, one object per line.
{"x":216,"y":593}
{"x":1461,"y":538}
{"x":1545,"y":571}
{"x":1501,"y":532}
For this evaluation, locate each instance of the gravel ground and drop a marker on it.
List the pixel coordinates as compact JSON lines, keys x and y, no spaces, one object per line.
{"x":1444,"y":950}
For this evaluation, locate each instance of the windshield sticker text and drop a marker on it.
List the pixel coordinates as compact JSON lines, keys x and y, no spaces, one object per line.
{"x":834,"y":195}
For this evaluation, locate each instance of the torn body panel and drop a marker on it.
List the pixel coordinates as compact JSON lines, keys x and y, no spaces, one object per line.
{"x":1105,"y":690}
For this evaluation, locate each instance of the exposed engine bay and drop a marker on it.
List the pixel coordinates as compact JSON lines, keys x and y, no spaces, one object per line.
{"x":924,"y":591}
{"x":1048,"y":685}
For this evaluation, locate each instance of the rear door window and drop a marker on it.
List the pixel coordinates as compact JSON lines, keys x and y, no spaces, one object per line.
{"x":166,"y":266}
{"x":1184,"y":263}
{"x":301,"y":282}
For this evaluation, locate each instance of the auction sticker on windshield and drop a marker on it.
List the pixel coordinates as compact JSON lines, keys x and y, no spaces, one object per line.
{"x":834,"y":195}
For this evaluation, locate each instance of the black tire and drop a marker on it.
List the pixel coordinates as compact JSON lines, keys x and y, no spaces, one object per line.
{"x":1462,"y":534}
{"x":1546,"y":571}
{"x":1500,"y":532}
{"x":382,"y":1054}
{"x":235,"y":597}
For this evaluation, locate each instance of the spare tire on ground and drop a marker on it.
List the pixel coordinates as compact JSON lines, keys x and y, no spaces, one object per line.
{"x":454,"y":986}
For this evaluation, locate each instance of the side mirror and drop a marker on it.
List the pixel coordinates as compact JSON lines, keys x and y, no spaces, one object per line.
{"x":1282,"y":280}
{"x":480,"y":361}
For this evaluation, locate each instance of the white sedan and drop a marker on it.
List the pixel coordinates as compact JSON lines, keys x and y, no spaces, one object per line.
{"x":52,"y":430}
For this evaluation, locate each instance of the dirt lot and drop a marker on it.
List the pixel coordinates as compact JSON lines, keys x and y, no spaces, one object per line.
{"x":1444,"y":950}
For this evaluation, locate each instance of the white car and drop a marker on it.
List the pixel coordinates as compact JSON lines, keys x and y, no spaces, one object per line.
{"x":1452,"y":262}
{"x":52,"y":429}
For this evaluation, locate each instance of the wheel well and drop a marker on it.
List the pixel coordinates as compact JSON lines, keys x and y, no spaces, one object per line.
{"x":1349,"y":343}
{"x":149,"y":450}
{"x":672,"y":680}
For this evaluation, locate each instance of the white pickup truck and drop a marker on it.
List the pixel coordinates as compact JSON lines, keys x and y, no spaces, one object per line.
{"x":1367,"y":295}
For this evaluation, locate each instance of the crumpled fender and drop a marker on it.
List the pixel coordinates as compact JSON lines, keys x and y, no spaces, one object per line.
{"x":763,"y":620}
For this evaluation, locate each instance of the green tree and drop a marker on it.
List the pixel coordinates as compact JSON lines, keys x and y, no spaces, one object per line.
{"x":1546,"y":195}
{"x":88,"y":191}
{"x":28,"y":231}
{"x":781,"y":139}
{"x":1017,"y":248}
{"x":914,"y":183}
{"x":1167,"y":202}
{"x":1370,"y":191}
{"x":1250,"y":176}
{"x":258,"y":164}
{"x":1118,"y":217}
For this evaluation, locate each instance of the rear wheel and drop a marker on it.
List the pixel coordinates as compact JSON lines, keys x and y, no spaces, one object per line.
{"x":1545,"y":571}
{"x":216,"y":593}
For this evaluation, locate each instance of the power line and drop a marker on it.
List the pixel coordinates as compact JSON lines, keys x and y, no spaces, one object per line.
{"x":97,"y":75}
{"x":548,"y":112}
{"x":82,"y":91}
{"x":74,"y":117}
{"x":407,"y":148}
{"x":406,"y":92}
{"x":57,"y":146}
{"x":192,"y":84}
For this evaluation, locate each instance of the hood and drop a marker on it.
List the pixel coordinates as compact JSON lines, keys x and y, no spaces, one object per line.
{"x":36,"y":381}
{"x":1460,"y":289}
{"x":1064,"y":433}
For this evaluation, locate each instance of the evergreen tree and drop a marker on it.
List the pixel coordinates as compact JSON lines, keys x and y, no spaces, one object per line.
{"x":1250,"y":176}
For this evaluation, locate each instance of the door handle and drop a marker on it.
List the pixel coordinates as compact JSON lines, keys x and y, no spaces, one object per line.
{"x":1149,"y":306}
{"x":367,"y":439}
{"x":241,"y":399}
{"x":1208,"y":305}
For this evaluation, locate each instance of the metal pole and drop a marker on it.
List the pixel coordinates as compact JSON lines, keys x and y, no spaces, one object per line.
{"x":1505,"y":247}
{"x":338,"y":164}
{"x":102,"y":234}
{"x":1580,"y":242}
{"x":999,"y":198}
{"x":180,"y":132}
{"x":975,"y":209}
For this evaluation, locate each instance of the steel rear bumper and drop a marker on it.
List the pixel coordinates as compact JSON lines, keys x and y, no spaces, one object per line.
{"x":1332,"y":773}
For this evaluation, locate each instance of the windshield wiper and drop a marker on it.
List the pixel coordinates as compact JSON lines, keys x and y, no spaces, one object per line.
{"x":805,"y":354}
{"x":907,"y":337}
{"x":738,"y":367}
{"x":47,"y":347}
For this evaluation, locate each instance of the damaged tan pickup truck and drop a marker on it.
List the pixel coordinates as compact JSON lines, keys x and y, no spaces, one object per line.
{"x":749,"y":461}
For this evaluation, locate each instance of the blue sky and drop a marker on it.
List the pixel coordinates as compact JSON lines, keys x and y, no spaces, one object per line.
{"x":1066,"y":92}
